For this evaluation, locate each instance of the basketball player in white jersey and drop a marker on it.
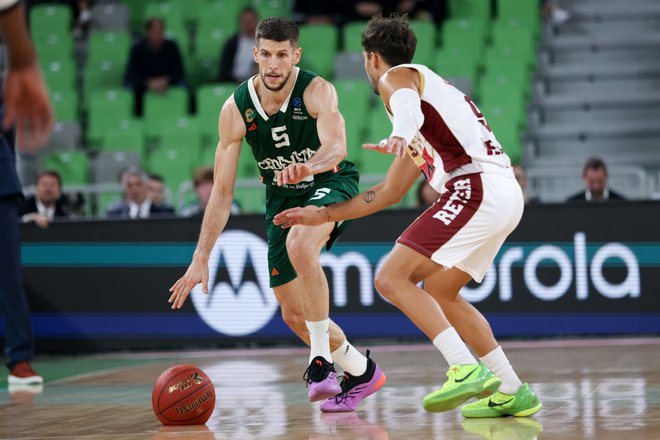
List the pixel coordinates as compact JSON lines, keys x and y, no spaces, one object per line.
{"x":439,"y":131}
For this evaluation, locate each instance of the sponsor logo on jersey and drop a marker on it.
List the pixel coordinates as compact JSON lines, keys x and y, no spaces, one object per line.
{"x":297,"y":102}
{"x":298,"y":114}
{"x":253,"y":127}
{"x":250,"y":114}
{"x":458,"y":199}
{"x":280,"y":162}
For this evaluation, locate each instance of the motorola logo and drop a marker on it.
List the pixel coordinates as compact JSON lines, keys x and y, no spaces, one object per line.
{"x":240,"y":301}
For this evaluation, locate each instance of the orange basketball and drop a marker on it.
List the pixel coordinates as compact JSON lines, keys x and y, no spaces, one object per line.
{"x":183,"y":395}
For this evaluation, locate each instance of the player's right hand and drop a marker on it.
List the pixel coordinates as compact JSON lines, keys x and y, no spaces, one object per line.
{"x":27,"y":107}
{"x":198,"y":272}
{"x":394,"y":145}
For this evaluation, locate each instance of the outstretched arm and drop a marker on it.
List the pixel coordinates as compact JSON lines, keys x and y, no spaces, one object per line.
{"x":321,"y":101}
{"x":25,"y":96}
{"x":232,"y":131}
{"x":400,"y":178}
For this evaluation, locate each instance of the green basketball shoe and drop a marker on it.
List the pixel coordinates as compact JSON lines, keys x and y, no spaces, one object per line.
{"x":522,"y":404}
{"x":463,"y":383}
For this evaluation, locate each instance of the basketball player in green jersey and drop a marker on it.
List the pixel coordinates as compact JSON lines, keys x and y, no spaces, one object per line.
{"x":291,"y":120}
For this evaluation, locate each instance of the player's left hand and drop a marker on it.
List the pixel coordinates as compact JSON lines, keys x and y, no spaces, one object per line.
{"x":394,"y":145}
{"x":308,"y":216}
{"x":293,"y":174}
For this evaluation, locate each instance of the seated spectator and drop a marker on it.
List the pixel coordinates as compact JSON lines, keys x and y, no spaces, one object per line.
{"x":47,"y":202}
{"x":521,"y":177}
{"x":156,"y":186}
{"x":594,"y":175}
{"x":137,"y":203}
{"x":426,"y":195}
{"x":154,"y":64}
{"x":237,"y":60}
{"x":203,"y":183}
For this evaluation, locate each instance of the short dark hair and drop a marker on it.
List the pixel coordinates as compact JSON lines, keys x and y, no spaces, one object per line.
{"x":50,"y":173}
{"x":277,"y":29}
{"x":390,"y":37}
{"x":153,"y":20}
{"x":594,"y":163}
{"x":202,"y":175}
{"x":248,"y":10}
{"x":156,"y":177}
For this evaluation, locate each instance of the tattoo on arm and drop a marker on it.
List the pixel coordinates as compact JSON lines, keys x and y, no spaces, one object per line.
{"x":369,"y":196}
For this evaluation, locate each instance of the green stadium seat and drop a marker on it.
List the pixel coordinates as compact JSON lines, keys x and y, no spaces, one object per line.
{"x":380,"y":127}
{"x":209,"y":41}
{"x":251,"y":200}
{"x":111,"y":46}
{"x":162,"y":107}
{"x":65,"y":104}
{"x":319,"y":43}
{"x":107,"y":108}
{"x":453,"y":63}
{"x":247,"y":165}
{"x":521,"y":11}
{"x":73,"y":166}
{"x":517,"y":40}
{"x":50,"y":19}
{"x":476,"y":9}
{"x":136,"y":8}
{"x":174,"y":164}
{"x":426,"y":39}
{"x":127,"y":135}
{"x":210,"y":98}
{"x":468,"y":36}
{"x":59,"y":75}
{"x":220,"y":14}
{"x":354,"y":104}
{"x":102,"y":74}
{"x":352,"y":36}
{"x":182,"y":133}
{"x":273,"y":8}
{"x":506,"y":67}
{"x":171,"y":12}
{"x":54,"y":47}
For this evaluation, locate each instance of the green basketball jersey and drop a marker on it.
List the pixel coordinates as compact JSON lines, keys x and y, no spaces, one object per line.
{"x":283,"y":138}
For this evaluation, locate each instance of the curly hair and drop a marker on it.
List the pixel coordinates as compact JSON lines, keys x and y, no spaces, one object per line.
{"x":390,"y":37}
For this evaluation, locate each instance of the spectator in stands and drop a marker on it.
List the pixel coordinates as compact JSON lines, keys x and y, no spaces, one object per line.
{"x":426,"y":195}
{"x":521,"y":177}
{"x":236,"y":61}
{"x":156,"y":186}
{"x":47,"y":201}
{"x":138,"y":204}
{"x":203,"y":183}
{"x":594,"y":175}
{"x":154,"y":64}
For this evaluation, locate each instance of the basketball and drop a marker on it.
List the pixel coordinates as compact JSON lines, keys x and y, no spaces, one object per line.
{"x":183,"y":395}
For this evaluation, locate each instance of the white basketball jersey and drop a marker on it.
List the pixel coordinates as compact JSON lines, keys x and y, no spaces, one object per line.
{"x":454,"y":134}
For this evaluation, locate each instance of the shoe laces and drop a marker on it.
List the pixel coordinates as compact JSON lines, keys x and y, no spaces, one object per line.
{"x":317,"y":371}
{"x":346,"y":385}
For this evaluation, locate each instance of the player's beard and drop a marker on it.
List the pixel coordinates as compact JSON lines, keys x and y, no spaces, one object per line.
{"x":279,"y":86}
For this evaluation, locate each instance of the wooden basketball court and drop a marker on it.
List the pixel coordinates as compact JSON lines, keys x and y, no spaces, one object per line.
{"x":591,"y":389}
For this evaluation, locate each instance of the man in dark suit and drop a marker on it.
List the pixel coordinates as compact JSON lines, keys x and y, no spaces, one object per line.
{"x":154,"y":63}
{"x":596,"y":190}
{"x":236,"y":61}
{"x":47,"y":202}
{"x":138,"y":204}
{"x":26,"y":105}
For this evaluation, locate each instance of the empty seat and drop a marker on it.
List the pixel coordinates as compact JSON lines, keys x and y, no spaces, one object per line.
{"x":426,"y":39}
{"x":65,"y":136}
{"x":161,"y":107}
{"x":47,"y":19}
{"x":210,"y":98}
{"x":65,"y":104}
{"x":106,"y":109}
{"x":352,"y":36}
{"x":111,"y":46}
{"x":126,"y":136}
{"x":73,"y":166}
{"x":109,"y":164}
{"x":113,"y":17}
{"x":319,"y":43}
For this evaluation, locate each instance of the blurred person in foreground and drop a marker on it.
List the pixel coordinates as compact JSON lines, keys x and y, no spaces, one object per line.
{"x":138,"y":204}
{"x":203,"y":184}
{"x":596,"y":189}
{"x":27,"y":107}
{"x":47,"y":203}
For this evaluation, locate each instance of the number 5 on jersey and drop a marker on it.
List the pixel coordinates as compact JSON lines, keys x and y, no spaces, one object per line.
{"x":280,"y":136}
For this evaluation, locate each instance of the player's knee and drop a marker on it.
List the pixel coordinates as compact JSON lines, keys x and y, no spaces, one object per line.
{"x":294,"y":319}
{"x":385,"y":285}
{"x":300,"y":250}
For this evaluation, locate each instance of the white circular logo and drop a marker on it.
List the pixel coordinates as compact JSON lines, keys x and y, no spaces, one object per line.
{"x":240,"y":301}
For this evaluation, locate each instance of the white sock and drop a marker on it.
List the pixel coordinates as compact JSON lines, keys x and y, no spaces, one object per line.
{"x":350,"y":359}
{"x":498,"y":363}
{"x":453,"y":348}
{"x":319,"y":337}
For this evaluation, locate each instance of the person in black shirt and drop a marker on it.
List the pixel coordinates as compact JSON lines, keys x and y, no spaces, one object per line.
{"x":596,"y":188}
{"x":154,"y":64}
